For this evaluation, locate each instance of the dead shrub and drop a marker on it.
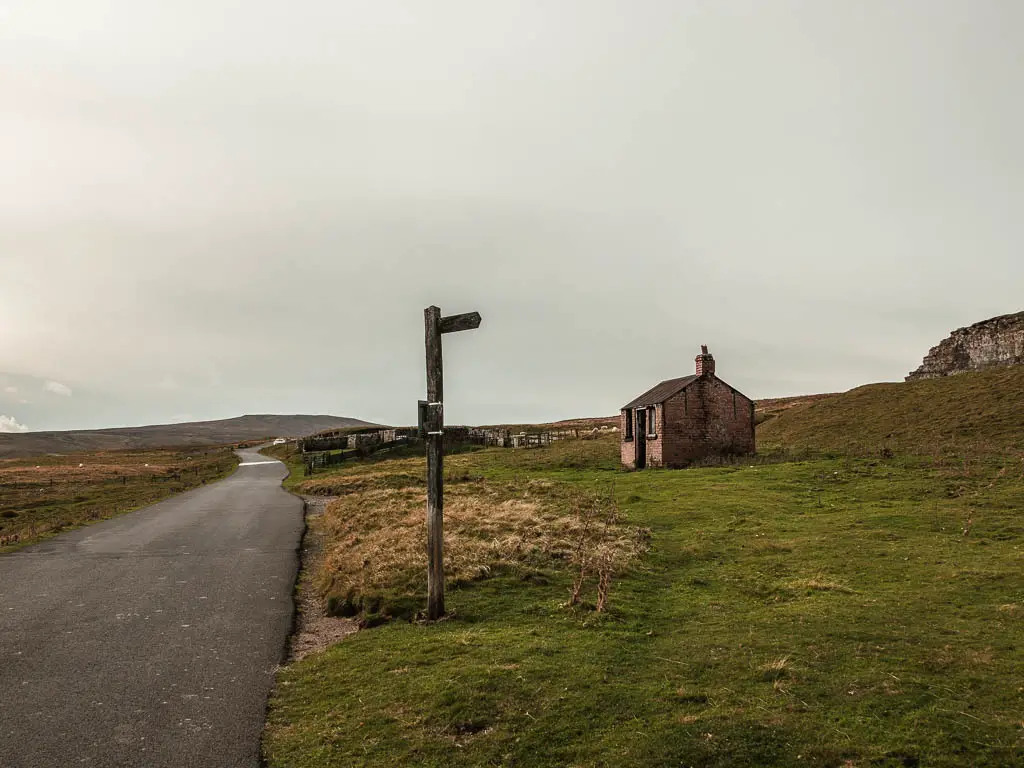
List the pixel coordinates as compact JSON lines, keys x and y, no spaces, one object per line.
{"x":603,"y":546}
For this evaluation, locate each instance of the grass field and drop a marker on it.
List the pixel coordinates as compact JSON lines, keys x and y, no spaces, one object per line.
{"x":835,"y":611}
{"x":42,"y":496}
{"x":970,"y":414}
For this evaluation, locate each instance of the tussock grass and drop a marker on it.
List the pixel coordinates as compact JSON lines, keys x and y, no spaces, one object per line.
{"x":344,"y":485}
{"x":774,"y":670}
{"x":376,"y":560}
{"x":819,"y":584}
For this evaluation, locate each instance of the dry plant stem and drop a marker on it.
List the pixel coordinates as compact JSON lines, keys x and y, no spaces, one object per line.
{"x":577,"y":586}
{"x":604,"y":586}
{"x":580,"y":554}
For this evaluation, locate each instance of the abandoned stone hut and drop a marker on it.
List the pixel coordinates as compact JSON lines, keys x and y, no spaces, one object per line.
{"x":682,"y":420}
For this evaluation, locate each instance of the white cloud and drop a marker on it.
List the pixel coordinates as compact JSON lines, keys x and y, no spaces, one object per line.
{"x":57,"y":388}
{"x":11,"y":390}
{"x":9,"y":424}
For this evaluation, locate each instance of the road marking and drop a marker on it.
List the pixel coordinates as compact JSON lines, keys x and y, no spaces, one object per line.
{"x":250,"y":463}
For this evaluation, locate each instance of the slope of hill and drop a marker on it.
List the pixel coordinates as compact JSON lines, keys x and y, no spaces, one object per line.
{"x":579,"y":423}
{"x":250,"y":427}
{"x":979,"y":412}
{"x":774,"y":406}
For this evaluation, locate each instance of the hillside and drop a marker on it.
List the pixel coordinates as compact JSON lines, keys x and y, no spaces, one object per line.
{"x":772,"y":407}
{"x":980,"y":412}
{"x":194,"y":433}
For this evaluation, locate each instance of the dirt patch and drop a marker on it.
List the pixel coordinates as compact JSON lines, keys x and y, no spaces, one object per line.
{"x":315,"y":631}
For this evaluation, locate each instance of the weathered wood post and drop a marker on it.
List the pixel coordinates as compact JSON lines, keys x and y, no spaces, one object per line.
{"x":432,"y":421}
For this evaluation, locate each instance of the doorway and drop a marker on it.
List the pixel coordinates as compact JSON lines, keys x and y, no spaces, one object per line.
{"x":640,"y":436}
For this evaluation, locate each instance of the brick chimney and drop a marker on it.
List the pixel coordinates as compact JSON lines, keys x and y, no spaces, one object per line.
{"x":705,"y":362}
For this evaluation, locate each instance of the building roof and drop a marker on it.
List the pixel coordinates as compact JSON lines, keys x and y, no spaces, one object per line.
{"x":662,"y":392}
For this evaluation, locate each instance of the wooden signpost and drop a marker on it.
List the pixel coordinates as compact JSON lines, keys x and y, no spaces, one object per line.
{"x":431,"y":420}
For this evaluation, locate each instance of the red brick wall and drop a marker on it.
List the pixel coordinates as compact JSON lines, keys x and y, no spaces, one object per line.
{"x":706,"y":418}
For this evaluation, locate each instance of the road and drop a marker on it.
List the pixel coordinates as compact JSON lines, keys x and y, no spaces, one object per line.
{"x":151,"y":639}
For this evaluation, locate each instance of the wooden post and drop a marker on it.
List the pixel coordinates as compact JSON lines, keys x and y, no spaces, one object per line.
{"x":433,"y":421}
{"x":435,"y":465}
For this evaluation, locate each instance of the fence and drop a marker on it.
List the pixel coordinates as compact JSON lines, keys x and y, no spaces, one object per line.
{"x":318,"y":450}
{"x":506,"y":438}
{"x":319,"y":460}
{"x":362,"y":439}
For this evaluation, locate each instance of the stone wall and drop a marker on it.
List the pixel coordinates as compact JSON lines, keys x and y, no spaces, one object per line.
{"x":988,"y":344}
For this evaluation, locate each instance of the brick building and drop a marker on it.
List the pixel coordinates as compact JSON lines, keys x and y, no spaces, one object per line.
{"x":682,"y":420}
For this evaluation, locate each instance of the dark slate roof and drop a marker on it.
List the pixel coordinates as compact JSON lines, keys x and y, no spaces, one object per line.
{"x":662,"y":392}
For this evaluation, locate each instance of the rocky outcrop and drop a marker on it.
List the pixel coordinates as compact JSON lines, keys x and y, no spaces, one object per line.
{"x":988,"y":344}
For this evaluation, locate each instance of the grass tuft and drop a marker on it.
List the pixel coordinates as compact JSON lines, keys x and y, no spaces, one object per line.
{"x":774,"y":670}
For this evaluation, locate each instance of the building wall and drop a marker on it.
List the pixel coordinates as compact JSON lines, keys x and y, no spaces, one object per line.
{"x":627,"y":447}
{"x":707,"y":418}
{"x":655,"y":445}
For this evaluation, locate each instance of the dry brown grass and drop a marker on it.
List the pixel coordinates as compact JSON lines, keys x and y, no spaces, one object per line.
{"x":819,"y":583}
{"x":774,"y":670}
{"x":376,"y":559}
{"x":44,"y":495}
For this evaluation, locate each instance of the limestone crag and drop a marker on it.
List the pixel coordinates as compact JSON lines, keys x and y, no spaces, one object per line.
{"x":988,"y":344}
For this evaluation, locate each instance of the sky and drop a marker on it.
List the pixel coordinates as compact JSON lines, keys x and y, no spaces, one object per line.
{"x":216,"y":207}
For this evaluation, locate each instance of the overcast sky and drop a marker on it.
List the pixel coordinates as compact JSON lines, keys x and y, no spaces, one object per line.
{"x":216,"y":207}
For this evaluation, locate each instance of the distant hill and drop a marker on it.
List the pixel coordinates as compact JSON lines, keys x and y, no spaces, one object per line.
{"x":980,"y":412}
{"x":194,"y":433}
{"x":580,"y":423}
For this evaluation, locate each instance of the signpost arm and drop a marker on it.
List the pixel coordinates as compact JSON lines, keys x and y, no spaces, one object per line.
{"x":435,"y":465}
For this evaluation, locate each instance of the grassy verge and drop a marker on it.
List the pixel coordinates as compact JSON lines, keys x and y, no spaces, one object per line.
{"x":45,"y":495}
{"x":846,"y":612}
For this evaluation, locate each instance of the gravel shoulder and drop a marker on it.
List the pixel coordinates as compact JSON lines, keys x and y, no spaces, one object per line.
{"x":314,"y":630}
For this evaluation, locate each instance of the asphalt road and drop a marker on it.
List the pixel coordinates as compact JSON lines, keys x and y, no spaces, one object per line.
{"x":151,"y":639}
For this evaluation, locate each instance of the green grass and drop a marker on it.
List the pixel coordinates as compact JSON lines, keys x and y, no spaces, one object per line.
{"x":46,"y":495}
{"x":971,"y":413}
{"x":827,"y":612}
